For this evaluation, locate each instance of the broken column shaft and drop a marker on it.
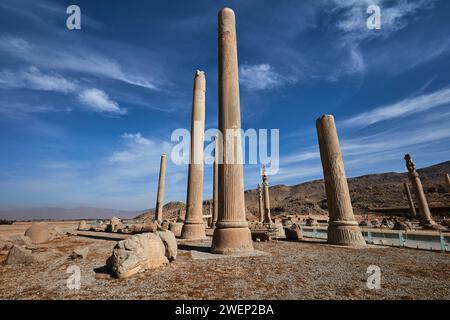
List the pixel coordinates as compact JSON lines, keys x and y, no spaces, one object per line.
{"x":424,"y":210}
{"x":232,"y":233}
{"x":267,"y":217}
{"x":160,"y":194}
{"x":342,"y":228}
{"x":260,"y":204}
{"x":194,"y":227}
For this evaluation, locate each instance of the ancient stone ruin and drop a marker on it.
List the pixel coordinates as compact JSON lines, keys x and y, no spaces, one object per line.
{"x":343,"y":228}
{"x":231,"y":233}
{"x":193,"y":227}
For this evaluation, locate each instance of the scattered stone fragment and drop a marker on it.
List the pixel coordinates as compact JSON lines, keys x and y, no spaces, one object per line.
{"x":176,"y":228}
{"x":79,"y":253}
{"x":311,"y":222}
{"x":39,"y":232}
{"x":294,"y":232}
{"x":20,"y":240}
{"x":136,"y":254}
{"x":168,"y":238}
{"x":19,"y":255}
{"x":83,"y":225}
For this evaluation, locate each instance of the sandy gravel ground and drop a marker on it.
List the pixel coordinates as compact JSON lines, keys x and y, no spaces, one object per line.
{"x":293,"y":270}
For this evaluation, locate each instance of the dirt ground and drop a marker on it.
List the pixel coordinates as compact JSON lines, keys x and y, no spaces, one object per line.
{"x":292,"y":270}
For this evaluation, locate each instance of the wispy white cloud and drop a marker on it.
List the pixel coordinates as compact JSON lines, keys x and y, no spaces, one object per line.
{"x":262,"y":77}
{"x":98,"y":101}
{"x":33,"y":78}
{"x":400,"y":109}
{"x":77,"y":59}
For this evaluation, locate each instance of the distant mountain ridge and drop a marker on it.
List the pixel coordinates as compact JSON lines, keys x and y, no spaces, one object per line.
{"x":373,"y":190}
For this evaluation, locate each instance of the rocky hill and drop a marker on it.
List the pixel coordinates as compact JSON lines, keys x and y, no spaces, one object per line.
{"x":373,"y":190}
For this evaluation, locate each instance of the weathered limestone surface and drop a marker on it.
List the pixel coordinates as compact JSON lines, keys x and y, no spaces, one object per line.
{"x":410,"y":200}
{"x":19,"y":255}
{"x":260,"y":204}
{"x":161,"y":186}
{"x":170,"y":243}
{"x":194,"y":227}
{"x":79,"y":253}
{"x":39,"y":232}
{"x":216,"y":183}
{"x":267,"y":217}
{"x":176,"y":228}
{"x":293,"y":232}
{"x":82,"y":225}
{"x":231,"y":234}
{"x":424,"y":210}
{"x":343,"y":228}
{"x":136,"y":254}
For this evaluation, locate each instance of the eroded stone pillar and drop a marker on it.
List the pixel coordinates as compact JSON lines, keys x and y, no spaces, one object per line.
{"x":193,"y":227}
{"x":412,"y":209}
{"x":267,"y":217}
{"x":260,"y":204}
{"x":447,"y":178}
{"x":160,"y":194}
{"x":424,"y":210}
{"x":342,"y":228}
{"x":232,"y":233}
{"x":216,"y":182}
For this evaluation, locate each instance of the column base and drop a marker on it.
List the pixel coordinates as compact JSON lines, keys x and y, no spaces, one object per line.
{"x":231,"y":240}
{"x":345,"y":233}
{"x":193,"y":231}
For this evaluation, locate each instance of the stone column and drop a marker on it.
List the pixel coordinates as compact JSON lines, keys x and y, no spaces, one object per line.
{"x":216,"y":182}
{"x":447,"y":178}
{"x":424,"y":210}
{"x":410,"y":200}
{"x":260,"y":204}
{"x":232,"y":233}
{"x":342,"y":228}
{"x":267,"y":217}
{"x":193,"y":227}
{"x":160,"y":195}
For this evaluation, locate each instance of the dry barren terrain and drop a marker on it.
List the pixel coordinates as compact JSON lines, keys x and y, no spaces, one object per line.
{"x":292,"y":270}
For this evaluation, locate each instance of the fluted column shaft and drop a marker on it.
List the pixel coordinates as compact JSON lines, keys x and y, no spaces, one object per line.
{"x":424,"y":210}
{"x":232,"y":233}
{"x":194,"y":227}
{"x":343,"y":228}
{"x":161,"y":186}
{"x":216,"y":182}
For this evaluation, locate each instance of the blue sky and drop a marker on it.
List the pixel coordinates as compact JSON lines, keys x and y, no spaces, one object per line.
{"x":85,"y":114}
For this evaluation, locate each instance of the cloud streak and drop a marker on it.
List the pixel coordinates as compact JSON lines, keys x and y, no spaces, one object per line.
{"x":98,"y":101}
{"x":400,"y":109}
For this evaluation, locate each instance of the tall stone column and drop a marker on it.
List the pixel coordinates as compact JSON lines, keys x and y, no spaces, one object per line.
{"x":216,"y":182}
{"x":260,"y":204}
{"x":160,"y":194}
{"x":447,"y":178}
{"x":193,"y":227}
{"x":424,"y":210}
{"x":410,"y":200}
{"x":267,"y":217}
{"x":232,"y":233}
{"x":342,"y":228}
